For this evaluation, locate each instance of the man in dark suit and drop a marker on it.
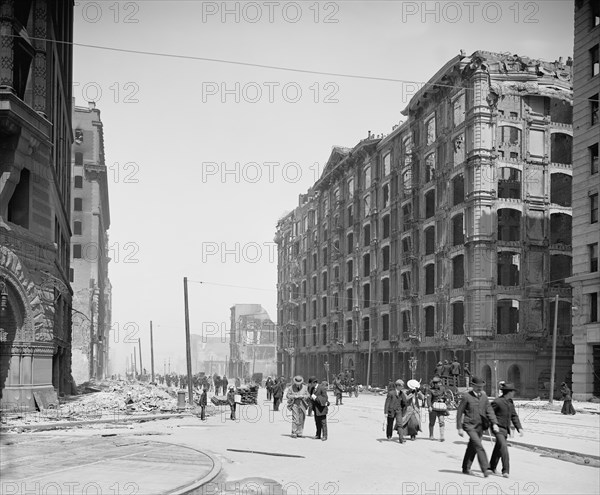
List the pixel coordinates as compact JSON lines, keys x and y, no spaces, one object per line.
{"x":320,"y":402}
{"x":506,"y":414}
{"x":474,"y":416}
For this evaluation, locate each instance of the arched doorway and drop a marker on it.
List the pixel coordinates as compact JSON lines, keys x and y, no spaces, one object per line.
{"x":486,"y":373}
{"x":514,"y":376}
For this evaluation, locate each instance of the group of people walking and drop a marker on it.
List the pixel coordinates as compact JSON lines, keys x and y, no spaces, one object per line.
{"x":475,"y":415}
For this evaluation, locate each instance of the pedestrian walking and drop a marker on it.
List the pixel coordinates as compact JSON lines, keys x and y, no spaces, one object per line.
{"x":312,"y":386}
{"x":439,"y":369}
{"x":474,"y":416}
{"x":504,"y":409}
{"x":567,"y":407}
{"x":224,"y":383}
{"x":437,"y":407}
{"x":231,"y":401}
{"x":203,"y":403}
{"x":412,"y":417}
{"x":321,"y":407}
{"x":394,"y":408}
{"x":455,"y":371}
{"x":338,"y":389}
{"x":269,"y":387}
{"x":278,"y":388}
{"x":297,"y":402}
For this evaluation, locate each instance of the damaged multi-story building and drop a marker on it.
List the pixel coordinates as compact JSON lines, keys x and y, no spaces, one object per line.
{"x":35,"y":177}
{"x":90,"y":217}
{"x":449,"y":237}
{"x":586,"y":187}
{"x":252,"y":342}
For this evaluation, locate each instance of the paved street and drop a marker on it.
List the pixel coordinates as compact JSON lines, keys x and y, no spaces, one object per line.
{"x":357,"y":458}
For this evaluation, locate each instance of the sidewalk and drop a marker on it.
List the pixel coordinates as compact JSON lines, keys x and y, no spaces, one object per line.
{"x":104,"y":463}
{"x":546,"y":428}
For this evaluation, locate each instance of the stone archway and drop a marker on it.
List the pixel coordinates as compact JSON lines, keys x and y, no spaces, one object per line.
{"x":514,"y":377}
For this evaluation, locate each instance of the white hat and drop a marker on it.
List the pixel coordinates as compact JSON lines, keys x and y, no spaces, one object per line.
{"x":413,"y":384}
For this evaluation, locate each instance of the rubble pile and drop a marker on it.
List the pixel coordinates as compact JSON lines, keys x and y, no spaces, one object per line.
{"x":109,"y":399}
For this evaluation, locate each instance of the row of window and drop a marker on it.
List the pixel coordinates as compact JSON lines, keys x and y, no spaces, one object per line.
{"x":507,"y":322}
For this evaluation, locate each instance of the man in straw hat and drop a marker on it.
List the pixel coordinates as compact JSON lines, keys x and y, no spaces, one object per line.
{"x":474,"y":416}
{"x":504,"y":408}
{"x":297,"y":398}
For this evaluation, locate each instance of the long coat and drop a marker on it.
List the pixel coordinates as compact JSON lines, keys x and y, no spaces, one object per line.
{"x":475,"y":411}
{"x":298,"y":398}
{"x":278,"y":390}
{"x":321,"y":401}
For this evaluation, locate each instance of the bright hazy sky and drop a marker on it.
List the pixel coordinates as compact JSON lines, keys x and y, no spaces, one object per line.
{"x":169,"y":126}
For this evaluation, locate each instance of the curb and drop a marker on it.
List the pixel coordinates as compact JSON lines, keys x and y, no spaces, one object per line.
{"x":192,"y":487}
{"x":537,"y":448}
{"x":66,"y":424}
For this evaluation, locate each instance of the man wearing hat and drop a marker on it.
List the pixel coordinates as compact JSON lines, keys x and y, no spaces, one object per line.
{"x":504,"y":408}
{"x":297,"y":398}
{"x":395,"y":405}
{"x":338,"y":389}
{"x":437,"y":407}
{"x":474,"y":416}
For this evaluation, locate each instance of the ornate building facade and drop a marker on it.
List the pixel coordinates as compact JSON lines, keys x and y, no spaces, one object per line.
{"x":586,"y":187}
{"x":449,"y":237}
{"x":35,"y":151}
{"x":90,"y":215}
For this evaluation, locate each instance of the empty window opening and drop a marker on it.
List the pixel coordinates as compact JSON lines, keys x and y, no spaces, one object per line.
{"x":429,"y":279}
{"x":560,"y":229}
{"x":458,"y":272}
{"x":385,"y":255}
{"x":458,"y":190}
{"x":429,"y":240}
{"x":561,"y":111}
{"x":509,"y":183}
{"x":507,"y":315}
{"x":458,"y":236}
{"x":366,"y":295}
{"x":561,"y":146}
{"x":509,"y":224}
{"x":458,"y":318}
{"x":560,"y":189}
{"x":429,"y":204}
{"x":366,"y":265}
{"x":385,"y":290}
{"x":508,"y":268}
{"x":386,"y":226}
{"x":563,"y":323}
{"x":385,"y":327}
{"x":429,"y":321}
{"x":366,"y":329}
{"x":560,"y":268}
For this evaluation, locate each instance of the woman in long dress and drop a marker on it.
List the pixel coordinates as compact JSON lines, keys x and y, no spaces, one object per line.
{"x":411,"y":421}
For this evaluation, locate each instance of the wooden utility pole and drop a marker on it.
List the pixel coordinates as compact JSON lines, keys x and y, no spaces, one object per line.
{"x":151,"y":352}
{"x":140,"y":351}
{"x":134,"y":364}
{"x":553,"y":362}
{"x":188,"y":348}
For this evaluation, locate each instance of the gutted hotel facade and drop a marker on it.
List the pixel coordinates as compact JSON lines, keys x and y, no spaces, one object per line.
{"x":449,"y":237}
